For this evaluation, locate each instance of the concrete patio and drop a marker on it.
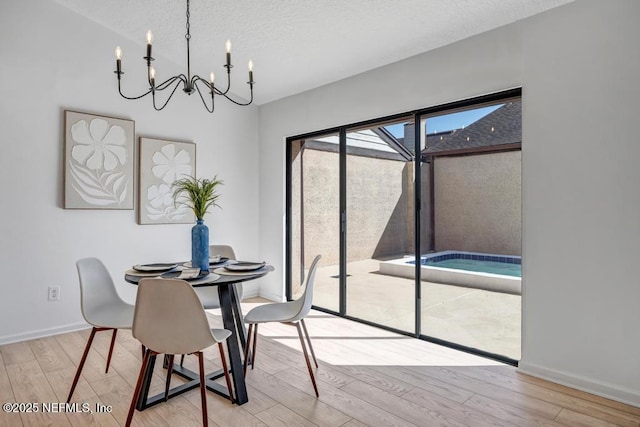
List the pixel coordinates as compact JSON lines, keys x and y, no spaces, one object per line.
{"x":486,"y":320}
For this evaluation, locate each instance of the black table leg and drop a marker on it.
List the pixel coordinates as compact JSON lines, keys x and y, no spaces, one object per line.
{"x":141,"y":404}
{"x":239,"y":318}
{"x":235,"y":358}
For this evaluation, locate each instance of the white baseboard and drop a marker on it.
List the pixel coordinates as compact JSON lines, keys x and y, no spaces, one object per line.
{"x":26,"y":336}
{"x":609,"y":391}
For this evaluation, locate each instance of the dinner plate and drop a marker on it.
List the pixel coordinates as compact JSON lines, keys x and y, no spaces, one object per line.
{"x":254,"y":273}
{"x":176,"y":275}
{"x":136,"y":273}
{"x":159,"y":266}
{"x":212,"y":264}
{"x":245,"y":266}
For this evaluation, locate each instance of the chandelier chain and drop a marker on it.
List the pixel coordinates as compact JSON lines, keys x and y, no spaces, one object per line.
{"x":188,"y":35}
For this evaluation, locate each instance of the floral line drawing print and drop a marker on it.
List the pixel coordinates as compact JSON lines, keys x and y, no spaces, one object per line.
{"x":99,"y":148}
{"x":98,"y":145}
{"x":161,"y":164}
{"x":99,"y":168}
{"x":100,"y":189}
{"x":169,"y":165}
{"x":161,"y":205}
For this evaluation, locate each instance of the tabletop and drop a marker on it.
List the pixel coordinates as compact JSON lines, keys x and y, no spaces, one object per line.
{"x":217,"y":277}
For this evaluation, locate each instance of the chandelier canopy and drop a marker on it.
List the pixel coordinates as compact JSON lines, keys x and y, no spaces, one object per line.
{"x":190,"y":84}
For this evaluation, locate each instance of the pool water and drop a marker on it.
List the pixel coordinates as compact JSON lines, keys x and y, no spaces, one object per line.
{"x":494,"y":267}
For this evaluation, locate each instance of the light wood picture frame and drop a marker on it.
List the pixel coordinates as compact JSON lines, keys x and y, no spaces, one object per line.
{"x":98,"y":161}
{"x":161,"y":163}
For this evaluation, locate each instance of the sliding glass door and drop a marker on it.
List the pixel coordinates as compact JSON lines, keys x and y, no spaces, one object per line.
{"x":444,"y":183}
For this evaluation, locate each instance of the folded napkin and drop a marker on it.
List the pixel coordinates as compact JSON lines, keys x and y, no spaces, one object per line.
{"x":189,"y":273}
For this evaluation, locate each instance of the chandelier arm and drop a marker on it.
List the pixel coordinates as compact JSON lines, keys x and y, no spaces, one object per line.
{"x":223,"y":93}
{"x":153,"y":94}
{"x":165,"y":84}
{"x":242,"y":104}
{"x":131,"y":98}
{"x":195,"y":81}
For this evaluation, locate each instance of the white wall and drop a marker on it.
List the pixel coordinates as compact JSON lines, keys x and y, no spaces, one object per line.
{"x":578,"y":66}
{"x":581,"y":203}
{"x":52,"y":60}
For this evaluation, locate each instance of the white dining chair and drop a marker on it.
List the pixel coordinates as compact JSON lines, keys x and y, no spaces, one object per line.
{"x":209,"y":294}
{"x":170,"y":319}
{"x":101,"y":307}
{"x":291,"y":313}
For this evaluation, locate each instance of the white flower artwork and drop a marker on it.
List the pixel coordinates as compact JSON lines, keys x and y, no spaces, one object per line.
{"x":98,"y":162}
{"x":161,"y":163}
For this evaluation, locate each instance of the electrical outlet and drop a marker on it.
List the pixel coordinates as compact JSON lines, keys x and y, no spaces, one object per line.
{"x":54,"y":293}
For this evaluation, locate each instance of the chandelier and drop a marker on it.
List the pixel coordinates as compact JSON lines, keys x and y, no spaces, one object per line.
{"x":190,"y":84}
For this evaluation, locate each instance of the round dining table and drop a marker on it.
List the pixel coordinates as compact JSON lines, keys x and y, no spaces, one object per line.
{"x":232,"y":319}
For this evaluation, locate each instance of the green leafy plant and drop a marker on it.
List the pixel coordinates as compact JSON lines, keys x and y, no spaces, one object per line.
{"x":197,"y":194}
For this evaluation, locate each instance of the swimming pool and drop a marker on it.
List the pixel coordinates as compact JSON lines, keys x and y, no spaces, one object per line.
{"x":498,"y":273}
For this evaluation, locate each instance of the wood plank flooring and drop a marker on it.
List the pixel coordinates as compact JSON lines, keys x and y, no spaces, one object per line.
{"x":367,"y":377}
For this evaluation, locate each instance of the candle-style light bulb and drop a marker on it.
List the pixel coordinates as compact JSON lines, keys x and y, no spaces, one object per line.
{"x":149,"y":42}
{"x":152,"y":77}
{"x":228,"y":47}
{"x":212,"y":77}
{"x":118,"y":61}
{"x":250,"y":65}
{"x":250,"y":72}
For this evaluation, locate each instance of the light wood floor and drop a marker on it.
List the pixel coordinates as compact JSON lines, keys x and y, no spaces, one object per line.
{"x":366,"y":377}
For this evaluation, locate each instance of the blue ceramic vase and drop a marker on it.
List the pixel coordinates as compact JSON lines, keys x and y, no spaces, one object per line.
{"x":200,"y":246}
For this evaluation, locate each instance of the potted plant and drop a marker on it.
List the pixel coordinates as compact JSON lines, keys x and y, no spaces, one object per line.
{"x":199,"y":195}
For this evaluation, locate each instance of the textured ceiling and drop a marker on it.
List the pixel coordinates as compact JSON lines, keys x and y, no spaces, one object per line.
{"x":297,"y":45}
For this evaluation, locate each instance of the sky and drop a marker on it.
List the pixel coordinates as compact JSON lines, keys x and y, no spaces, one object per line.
{"x":448,"y":121}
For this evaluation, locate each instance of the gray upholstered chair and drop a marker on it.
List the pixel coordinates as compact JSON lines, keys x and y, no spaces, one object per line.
{"x":169,"y":319}
{"x":293,"y":313}
{"x":101,"y":307}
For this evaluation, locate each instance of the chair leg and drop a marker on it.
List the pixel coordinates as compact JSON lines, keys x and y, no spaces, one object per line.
{"x":167,"y":383}
{"x":145,"y":361}
{"x":113,"y":341}
{"x":306,"y":358}
{"x":255,"y":340}
{"x":306,"y":333}
{"x":203,"y":390}
{"x":246,"y":350}
{"x":143,"y":349}
{"x":181,"y":360}
{"x":81,"y":365}
{"x":223,"y":359}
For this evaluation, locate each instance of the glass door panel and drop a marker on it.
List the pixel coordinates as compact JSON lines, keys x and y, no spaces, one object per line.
{"x":380,"y":225}
{"x":471,"y":274}
{"x":315,"y":217}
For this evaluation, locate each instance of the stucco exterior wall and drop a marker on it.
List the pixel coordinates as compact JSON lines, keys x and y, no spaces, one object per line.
{"x":478,"y":203}
{"x":379,"y":207}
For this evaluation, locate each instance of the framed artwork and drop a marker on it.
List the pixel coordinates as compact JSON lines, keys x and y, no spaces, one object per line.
{"x":98,"y":161}
{"x":161,"y":163}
